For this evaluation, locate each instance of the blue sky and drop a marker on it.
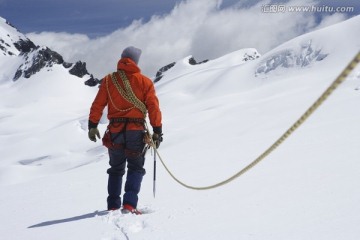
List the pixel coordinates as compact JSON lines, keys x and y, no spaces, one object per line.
{"x":98,"y":18}
{"x":91,"y":17}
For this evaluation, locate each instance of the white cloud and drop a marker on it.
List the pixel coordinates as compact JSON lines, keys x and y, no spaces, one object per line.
{"x":195,"y":27}
{"x":331,"y":19}
{"x":67,"y":44}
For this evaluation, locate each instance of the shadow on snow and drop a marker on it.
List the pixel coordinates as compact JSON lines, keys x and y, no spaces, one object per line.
{"x":72,"y":219}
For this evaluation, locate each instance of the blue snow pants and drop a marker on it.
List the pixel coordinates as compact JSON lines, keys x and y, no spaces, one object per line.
{"x":131,"y":155}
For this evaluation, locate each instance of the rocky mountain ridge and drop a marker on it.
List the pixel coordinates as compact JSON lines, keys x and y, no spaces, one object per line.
{"x":28,"y":59}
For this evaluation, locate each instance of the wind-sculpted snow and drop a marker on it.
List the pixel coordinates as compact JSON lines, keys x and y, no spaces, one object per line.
{"x":290,"y":58}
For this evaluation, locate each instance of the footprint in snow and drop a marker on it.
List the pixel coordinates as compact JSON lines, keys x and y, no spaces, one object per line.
{"x":127,"y":224}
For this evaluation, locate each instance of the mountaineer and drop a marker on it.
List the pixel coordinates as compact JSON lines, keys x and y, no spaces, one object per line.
{"x":129,"y":96}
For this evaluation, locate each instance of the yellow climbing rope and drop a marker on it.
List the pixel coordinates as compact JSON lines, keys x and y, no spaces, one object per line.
{"x":128,"y":94}
{"x":340,"y":79}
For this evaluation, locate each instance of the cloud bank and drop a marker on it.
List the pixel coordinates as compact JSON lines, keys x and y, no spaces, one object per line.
{"x":195,"y":27}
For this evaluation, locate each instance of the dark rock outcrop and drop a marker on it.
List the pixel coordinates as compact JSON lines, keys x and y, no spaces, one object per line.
{"x":161,"y":71}
{"x":25,"y":46}
{"x":36,"y":60}
{"x":250,"y":57}
{"x":79,"y":69}
{"x":4,"y":47}
{"x":92,"y":82}
{"x":192,"y":61}
{"x":67,"y":65}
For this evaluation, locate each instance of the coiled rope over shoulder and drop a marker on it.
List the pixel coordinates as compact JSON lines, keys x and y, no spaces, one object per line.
{"x":340,"y":79}
{"x":128,"y":94}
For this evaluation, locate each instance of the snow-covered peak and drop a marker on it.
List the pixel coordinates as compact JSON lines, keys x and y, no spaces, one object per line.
{"x":337,"y":42}
{"x":37,"y":60}
{"x":20,"y":57}
{"x":12,"y":42}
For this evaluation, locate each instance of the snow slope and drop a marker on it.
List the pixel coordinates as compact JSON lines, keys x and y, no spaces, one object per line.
{"x":218,"y":117}
{"x":9,"y":59}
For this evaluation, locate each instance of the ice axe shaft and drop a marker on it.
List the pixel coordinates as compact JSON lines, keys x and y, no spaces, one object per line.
{"x":154,"y":183}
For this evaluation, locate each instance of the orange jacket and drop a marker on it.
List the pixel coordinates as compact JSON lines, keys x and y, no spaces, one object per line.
{"x":144,"y":90}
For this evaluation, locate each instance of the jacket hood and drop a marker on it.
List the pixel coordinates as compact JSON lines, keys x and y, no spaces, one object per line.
{"x":128,"y":65}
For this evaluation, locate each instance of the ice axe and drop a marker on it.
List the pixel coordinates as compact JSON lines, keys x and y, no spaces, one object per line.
{"x":154,"y":183}
{"x":150,"y":143}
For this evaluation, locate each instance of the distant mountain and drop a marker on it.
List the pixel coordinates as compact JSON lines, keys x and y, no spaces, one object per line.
{"x":21,"y":58}
{"x":241,"y":56}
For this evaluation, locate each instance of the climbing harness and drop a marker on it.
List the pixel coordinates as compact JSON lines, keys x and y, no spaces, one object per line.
{"x":109,"y":140}
{"x":340,"y":79}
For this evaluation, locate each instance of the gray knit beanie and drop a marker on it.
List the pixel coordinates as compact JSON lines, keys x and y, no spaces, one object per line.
{"x":132,"y":52}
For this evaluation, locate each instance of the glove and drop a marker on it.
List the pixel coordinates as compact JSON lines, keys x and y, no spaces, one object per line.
{"x":93,"y":132}
{"x":157,"y":139}
{"x":157,"y":136}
